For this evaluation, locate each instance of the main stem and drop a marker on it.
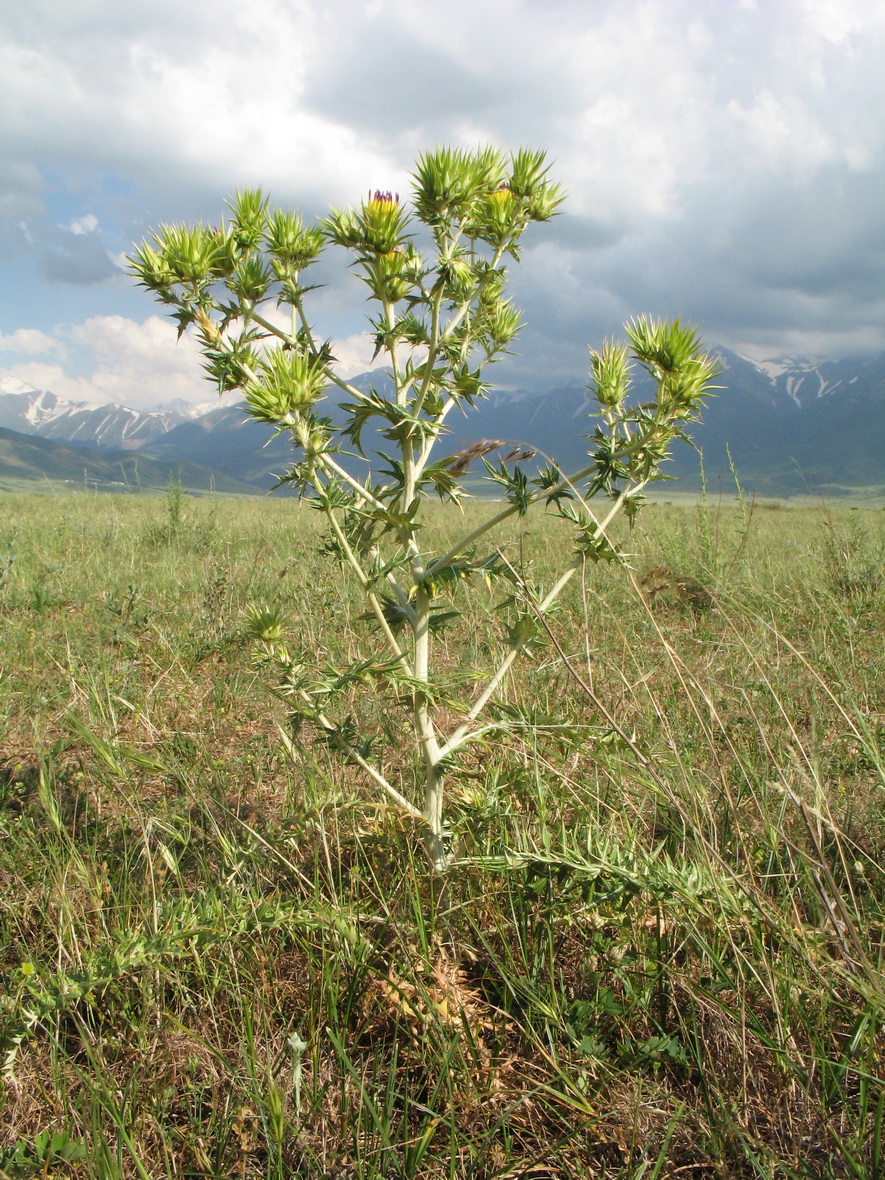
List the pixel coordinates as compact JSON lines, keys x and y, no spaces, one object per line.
{"x":425,"y":731}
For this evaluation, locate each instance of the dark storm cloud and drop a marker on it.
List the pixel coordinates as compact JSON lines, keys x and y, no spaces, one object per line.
{"x":384,"y":80}
{"x":76,"y":258}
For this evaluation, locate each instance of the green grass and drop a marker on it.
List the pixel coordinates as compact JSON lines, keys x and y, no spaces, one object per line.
{"x":218,"y":956}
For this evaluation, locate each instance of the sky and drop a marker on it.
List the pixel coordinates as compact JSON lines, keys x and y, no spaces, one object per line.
{"x":724,"y":161}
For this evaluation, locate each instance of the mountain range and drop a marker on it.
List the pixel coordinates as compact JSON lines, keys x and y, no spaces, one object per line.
{"x":786,"y":426}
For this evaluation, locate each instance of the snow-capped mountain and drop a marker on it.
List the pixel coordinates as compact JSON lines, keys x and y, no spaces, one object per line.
{"x":805,"y":381}
{"x":109,"y":427}
{"x":189,"y":411}
{"x":785,"y":423}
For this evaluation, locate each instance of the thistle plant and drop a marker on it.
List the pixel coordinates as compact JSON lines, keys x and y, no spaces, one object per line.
{"x":435,"y":270}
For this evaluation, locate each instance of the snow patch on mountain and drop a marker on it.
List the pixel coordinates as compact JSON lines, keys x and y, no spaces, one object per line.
{"x":801,"y":379}
{"x":9,"y":384}
{"x":776,"y":366}
{"x":189,"y":411}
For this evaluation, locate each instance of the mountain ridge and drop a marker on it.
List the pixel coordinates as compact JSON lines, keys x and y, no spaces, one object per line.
{"x":781,"y":422}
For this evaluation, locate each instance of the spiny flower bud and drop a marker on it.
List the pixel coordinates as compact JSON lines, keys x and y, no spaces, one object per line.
{"x":502,"y":196}
{"x":381,"y":202}
{"x":383,"y":222}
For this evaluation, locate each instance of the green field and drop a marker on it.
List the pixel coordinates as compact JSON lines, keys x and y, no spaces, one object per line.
{"x":664,"y":953}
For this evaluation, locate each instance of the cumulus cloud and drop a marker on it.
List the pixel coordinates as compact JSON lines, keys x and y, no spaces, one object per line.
{"x":29,"y":342}
{"x":194,"y":96}
{"x":119,"y":360}
{"x":87,"y":224}
{"x":135,"y":364}
{"x":354,"y":355}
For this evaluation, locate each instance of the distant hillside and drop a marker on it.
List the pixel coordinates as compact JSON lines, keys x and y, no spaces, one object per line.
{"x":227,"y":440}
{"x":28,"y":458}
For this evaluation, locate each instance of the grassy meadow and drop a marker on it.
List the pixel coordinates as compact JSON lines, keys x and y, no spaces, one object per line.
{"x":664,"y":953}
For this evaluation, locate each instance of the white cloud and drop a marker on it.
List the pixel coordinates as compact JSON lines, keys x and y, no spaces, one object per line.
{"x":782,"y":134}
{"x":21,"y":190}
{"x":353,"y":352}
{"x":208,"y":94}
{"x":84,"y":225}
{"x":140,"y":364}
{"x":133,"y":364}
{"x":354,"y":355}
{"x":628,"y":95}
{"x":838,"y":20}
{"x":29,"y":341}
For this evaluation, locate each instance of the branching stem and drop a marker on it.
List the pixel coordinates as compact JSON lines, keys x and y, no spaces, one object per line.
{"x":475,"y":206}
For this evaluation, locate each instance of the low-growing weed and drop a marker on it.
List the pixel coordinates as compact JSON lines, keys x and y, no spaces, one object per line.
{"x":7,"y":561}
{"x":853,"y":555}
